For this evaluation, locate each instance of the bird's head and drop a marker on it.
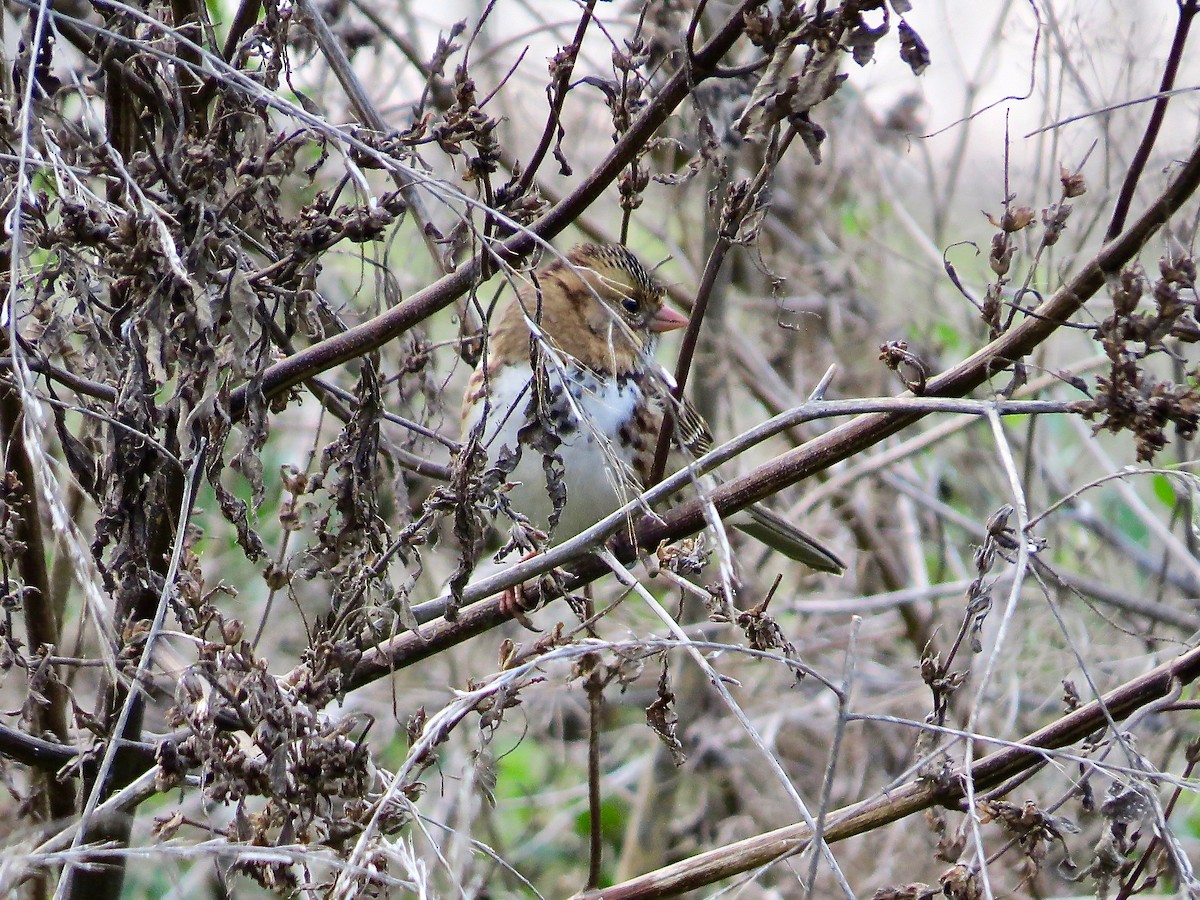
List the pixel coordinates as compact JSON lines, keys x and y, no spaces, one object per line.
{"x":601,"y":306}
{"x":597,"y":304}
{"x":612,"y":275}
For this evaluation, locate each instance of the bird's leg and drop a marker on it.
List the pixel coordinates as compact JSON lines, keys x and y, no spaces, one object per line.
{"x":589,"y":611}
{"x":512,"y":601}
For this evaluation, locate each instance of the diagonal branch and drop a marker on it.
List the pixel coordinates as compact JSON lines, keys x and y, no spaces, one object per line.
{"x":374,"y":120}
{"x":410,"y":647}
{"x":1187,"y":12}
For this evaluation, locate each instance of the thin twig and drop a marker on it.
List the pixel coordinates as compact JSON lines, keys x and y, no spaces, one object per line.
{"x":366,"y":110}
{"x":844,"y":696}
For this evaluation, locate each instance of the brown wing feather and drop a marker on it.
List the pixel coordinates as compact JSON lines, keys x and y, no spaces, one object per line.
{"x":691,"y":431}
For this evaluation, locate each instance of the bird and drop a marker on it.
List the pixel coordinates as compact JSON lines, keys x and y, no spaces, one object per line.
{"x":568,"y":373}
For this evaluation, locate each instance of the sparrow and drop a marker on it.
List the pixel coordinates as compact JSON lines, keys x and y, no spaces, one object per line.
{"x":569,"y":400}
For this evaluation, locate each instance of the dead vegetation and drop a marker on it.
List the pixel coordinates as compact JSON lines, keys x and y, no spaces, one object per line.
{"x":248,"y":255}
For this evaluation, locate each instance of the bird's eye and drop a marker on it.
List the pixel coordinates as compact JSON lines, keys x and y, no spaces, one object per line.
{"x":631,"y":305}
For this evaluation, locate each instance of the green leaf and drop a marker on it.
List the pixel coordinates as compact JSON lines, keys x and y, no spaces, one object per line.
{"x":947,"y":336}
{"x":1164,"y":491}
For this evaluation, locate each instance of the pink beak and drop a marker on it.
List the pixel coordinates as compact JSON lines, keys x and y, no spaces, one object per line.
{"x":667,"y":319}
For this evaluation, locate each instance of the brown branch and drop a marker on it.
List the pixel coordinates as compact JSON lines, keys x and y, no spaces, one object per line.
{"x":687,"y":351}
{"x":594,"y":687}
{"x":243,"y":20}
{"x":189,"y":18}
{"x":123,"y":714}
{"x":78,"y":384}
{"x":42,"y":610}
{"x":34,"y":752}
{"x":764,"y":849}
{"x":47,"y":756}
{"x":1187,"y":12}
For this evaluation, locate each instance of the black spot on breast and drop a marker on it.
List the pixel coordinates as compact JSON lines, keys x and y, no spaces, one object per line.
{"x":558,"y":410}
{"x":582,"y":385}
{"x":632,"y":436}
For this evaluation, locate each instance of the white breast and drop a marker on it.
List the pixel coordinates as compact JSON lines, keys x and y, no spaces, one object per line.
{"x":586,"y":414}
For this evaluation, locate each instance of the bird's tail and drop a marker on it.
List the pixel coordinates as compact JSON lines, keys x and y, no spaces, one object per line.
{"x":779,"y":534}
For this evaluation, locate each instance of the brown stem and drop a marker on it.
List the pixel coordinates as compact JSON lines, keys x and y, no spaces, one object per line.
{"x":595,"y":692}
{"x":103,"y":881}
{"x":1187,"y":11}
{"x":1128,"y":888}
{"x":558,"y":96}
{"x":344,"y":72}
{"x":41,"y":608}
{"x":732,"y":216}
{"x":49,"y":756}
{"x":687,"y":351}
{"x":79,"y":385}
{"x":188,"y":20}
{"x":243,"y":21}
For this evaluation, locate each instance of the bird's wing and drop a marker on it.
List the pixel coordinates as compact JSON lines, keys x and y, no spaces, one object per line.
{"x":691,"y":431}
